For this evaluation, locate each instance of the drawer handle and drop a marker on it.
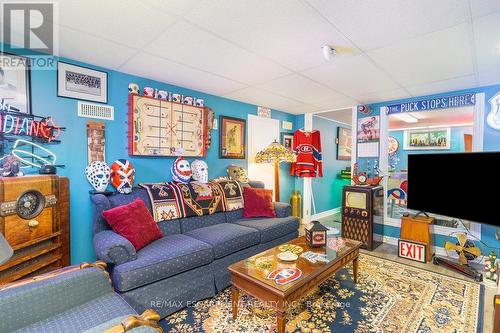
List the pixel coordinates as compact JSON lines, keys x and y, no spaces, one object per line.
{"x":33,"y":224}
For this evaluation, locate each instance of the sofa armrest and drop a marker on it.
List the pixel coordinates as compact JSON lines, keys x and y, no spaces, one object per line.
{"x":146,"y":322}
{"x":113,"y":248}
{"x":256,"y":184}
{"x":282,"y":209}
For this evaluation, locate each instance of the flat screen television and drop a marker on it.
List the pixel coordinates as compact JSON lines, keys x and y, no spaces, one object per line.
{"x":459,"y":185}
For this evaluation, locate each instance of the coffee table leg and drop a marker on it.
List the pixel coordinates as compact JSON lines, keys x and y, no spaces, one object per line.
{"x":281,"y":322}
{"x":355,"y":270}
{"x":235,"y":297}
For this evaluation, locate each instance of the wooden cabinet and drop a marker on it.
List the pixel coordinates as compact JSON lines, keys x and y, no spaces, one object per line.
{"x":34,"y":218}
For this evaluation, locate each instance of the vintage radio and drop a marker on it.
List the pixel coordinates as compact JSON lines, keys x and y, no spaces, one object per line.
{"x":359,"y":206}
{"x":34,"y":218}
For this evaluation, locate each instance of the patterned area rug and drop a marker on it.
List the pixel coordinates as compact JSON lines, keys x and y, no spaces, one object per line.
{"x":389,"y":297}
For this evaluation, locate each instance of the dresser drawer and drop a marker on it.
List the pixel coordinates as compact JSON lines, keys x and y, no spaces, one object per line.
{"x":19,"y":231}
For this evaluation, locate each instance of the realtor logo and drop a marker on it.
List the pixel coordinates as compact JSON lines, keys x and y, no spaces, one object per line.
{"x":29,"y":28}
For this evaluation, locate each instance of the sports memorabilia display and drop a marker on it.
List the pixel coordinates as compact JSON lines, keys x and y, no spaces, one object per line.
{"x":315,"y":234}
{"x":163,"y":128}
{"x":199,"y":171}
{"x":98,"y":175}
{"x":96,"y":142}
{"x":122,"y":176}
{"x":307,"y":146}
{"x":285,"y":275}
{"x":393,"y":145}
{"x":181,"y":170}
{"x":34,"y":218}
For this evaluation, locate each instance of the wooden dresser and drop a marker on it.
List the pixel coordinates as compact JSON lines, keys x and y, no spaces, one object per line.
{"x":34,"y":218}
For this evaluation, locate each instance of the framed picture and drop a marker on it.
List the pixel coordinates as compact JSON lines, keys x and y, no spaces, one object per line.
{"x":426,"y":139}
{"x":81,"y":83}
{"x":287,"y":140}
{"x":15,"y":94}
{"x":344,"y":144}
{"x":232,"y":137}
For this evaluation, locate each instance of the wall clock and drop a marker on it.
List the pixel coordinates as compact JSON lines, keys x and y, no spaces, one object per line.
{"x":393,"y":145}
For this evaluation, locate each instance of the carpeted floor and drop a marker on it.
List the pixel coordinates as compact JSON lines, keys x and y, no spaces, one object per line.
{"x":389,"y":297}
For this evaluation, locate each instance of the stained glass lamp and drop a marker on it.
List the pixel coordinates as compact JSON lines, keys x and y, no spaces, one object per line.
{"x":5,"y":250}
{"x":275,"y":153}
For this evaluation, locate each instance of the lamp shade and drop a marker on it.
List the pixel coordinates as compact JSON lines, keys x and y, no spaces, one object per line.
{"x":275,"y":152}
{"x":5,"y":250}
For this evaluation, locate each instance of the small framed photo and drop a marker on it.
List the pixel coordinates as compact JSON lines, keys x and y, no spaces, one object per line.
{"x":232,"y":137}
{"x":15,"y":95}
{"x":82,"y":83}
{"x":287,"y":140}
{"x":438,"y":138}
{"x":344,"y":144}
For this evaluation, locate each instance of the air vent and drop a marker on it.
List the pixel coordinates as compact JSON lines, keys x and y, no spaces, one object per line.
{"x":99,"y":111}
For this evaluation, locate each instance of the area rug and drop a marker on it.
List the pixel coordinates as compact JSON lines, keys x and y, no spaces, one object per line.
{"x":389,"y":297}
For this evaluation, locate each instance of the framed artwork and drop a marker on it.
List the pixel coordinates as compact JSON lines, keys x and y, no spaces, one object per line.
{"x":82,"y":83}
{"x":15,"y":94}
{"x":287,"y":140}
{"x":344,"y":144}
{"x":426,"y":139}
{"x":96,"y":142}
{"x":232,"y":137}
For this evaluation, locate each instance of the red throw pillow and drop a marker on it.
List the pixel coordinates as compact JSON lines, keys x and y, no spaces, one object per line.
{"x":258,"y":202}
{"x":134,"y":222}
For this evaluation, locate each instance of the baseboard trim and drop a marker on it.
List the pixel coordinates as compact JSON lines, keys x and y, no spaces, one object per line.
{"x":326,"y":213}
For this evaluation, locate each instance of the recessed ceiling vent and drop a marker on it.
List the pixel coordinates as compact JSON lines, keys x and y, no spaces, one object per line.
{"x":99,"y":111}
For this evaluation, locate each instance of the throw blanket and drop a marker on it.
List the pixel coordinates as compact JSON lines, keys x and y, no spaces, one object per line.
{"x":172,"y":200}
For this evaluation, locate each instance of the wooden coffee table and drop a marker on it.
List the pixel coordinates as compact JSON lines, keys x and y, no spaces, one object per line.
{"x":250,"y":276}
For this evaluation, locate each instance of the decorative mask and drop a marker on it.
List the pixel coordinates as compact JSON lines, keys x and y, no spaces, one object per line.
{"x":122,"y":175}
{"x":133,"y":88}
{"x":200,"y":171}
{"x":181,"y":170}
{"x":237,"y":173}
{"x":10,"y":166}
{"x":98,"y":175}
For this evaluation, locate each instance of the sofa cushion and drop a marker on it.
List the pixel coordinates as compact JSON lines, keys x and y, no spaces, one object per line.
{"x":134,"y":222}
{"x":258,"y":203}
{"x":196,"y":222}
{"x":271,"y":229}
{"x":165,"y":257}
{"x":226,"y":238}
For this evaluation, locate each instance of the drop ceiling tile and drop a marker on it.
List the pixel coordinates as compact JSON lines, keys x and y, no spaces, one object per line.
{"x":287,"y":31}
{"x":260,"y":97}
{"x":458,"y":83}
{"x":301,"y":109}
{"x":352,"y":76}
{"x":162,"y":70}
{"x":382,"y":96}
{"x":129,"y":23}
{"x":176,"y":7}
{"x":299,"y":88}
{"x":372,"y":24}
{"x":337,"y":104}
{"x":185,"y":43}
{"x":343,"y":116}
{"x":433,"y":57}
{"x":487,"y":37}
{"x":92,"y":50}
{"x":484,"y":7}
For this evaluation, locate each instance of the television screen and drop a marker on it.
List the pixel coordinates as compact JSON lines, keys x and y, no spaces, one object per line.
{"x":459,"y":185}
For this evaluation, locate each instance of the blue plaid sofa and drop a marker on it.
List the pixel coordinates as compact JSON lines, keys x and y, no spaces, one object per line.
{"x":190,"y":262}
{"x":73,"y":299}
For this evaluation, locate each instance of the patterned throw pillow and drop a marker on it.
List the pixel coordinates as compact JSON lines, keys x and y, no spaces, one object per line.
{"x":134,"y":222}
{"x":258,"y":202}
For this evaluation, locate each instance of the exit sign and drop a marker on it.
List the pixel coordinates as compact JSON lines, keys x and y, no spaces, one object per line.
{"x":412,"y":250}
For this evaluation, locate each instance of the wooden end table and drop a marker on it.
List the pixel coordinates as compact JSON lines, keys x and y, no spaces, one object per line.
{"x":249,"y":277}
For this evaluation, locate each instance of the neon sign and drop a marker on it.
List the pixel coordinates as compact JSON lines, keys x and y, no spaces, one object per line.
{"x":26,"y":125}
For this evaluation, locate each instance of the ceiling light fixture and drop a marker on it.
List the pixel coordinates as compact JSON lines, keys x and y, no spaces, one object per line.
{"x":328,"y":52}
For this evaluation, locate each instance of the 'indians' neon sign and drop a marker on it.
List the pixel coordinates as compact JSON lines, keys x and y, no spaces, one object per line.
{"x":20,"y":125}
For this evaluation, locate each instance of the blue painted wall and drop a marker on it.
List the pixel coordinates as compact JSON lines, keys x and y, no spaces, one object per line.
{"x":491,"y":142}
{"x":456,"y":145}
{"x":327,"y":191}
{"x":73,"y":150}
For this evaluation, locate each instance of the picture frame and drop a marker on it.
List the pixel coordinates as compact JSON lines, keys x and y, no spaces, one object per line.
{"x":427,"y":139}
{"x":232,"y":136}
{"x":82,"y":83}
{"x":15,"y":83}
{"x":344,"y":144}
{"x":287,"y":140}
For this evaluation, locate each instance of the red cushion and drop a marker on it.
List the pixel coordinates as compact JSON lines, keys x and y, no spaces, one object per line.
{"x":134,"y":222}
{"x":258,"y":202}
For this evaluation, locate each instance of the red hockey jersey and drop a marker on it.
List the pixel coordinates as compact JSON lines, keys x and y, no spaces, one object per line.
{"x":307,"y":146}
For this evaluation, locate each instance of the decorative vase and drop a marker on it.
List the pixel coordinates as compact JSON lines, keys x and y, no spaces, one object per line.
{"x":296,"y":203}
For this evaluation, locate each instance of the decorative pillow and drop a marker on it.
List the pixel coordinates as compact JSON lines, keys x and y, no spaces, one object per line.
{"x":258,"y":202}
{"x":134,"y":222}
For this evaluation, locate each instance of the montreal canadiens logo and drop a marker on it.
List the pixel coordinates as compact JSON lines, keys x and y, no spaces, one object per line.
{"x":285,"y":275}
{"x":305,"y":149}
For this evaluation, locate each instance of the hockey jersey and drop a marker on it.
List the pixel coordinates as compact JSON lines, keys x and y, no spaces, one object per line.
{"x":307,"y":146}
